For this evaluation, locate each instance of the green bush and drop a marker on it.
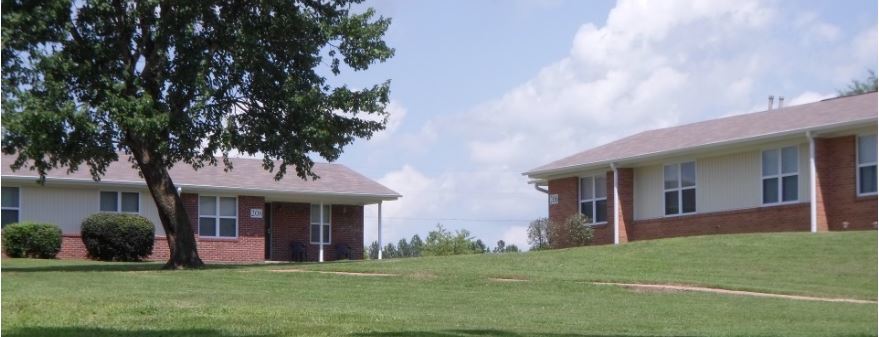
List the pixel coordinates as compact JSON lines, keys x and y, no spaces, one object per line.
{"x":118,"y":237}
{"x":27,"y":239}
{"x":573,"y":232}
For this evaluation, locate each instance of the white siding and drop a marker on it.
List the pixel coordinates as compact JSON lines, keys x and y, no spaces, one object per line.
{"x":649,"y":192}
{"x":67,"y":206}
{"x":726,"y":182}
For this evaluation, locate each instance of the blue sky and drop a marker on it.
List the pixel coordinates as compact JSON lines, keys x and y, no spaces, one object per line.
{"x":485,"y":90}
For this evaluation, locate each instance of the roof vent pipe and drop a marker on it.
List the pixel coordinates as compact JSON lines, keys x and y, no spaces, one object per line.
{"x":780,"y":102}
{"x":771,"y":99}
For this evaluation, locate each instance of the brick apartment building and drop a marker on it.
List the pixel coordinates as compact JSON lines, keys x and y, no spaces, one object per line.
{"x":810,"y":167}
{"x":243,"y":215}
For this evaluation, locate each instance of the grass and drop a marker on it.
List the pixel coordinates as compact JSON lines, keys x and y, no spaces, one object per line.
{"x":455,"y":296}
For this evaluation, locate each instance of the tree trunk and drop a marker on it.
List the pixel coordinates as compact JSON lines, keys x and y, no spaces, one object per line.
{"x":175,"y":221}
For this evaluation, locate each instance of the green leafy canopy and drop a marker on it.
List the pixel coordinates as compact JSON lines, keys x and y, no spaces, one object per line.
{"x":185,"y":80}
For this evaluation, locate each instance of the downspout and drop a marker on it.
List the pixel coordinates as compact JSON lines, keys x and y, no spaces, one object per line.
{"x":320,"y":256}
{"x":813,"y":188}
{"x":537,"y":187}
{"x":616,"y":203}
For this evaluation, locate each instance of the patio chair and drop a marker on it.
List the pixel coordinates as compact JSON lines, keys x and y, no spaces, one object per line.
{"x":300,"y":253}
{"x":343,"y":251}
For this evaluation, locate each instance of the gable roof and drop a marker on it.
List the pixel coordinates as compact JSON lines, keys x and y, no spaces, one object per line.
{"x":247,"y":174}
{"x":779,"y":122}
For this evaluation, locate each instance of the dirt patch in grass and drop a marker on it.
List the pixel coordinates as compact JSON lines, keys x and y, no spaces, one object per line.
{"x":330,"y":272}
{"x":639,"y":287}
{"x":422,"y":276}
{"x":507,"y":279}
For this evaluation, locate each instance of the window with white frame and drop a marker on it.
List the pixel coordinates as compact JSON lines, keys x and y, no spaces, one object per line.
{"x":593,"y":199}
{"x":680,"y":188}
{"x":11,"y":205}
{"x":867,"y":165}
{"x":781,"y":175}
{"x":125,"y":202}
{"x":217,"y":216}
{"x":315,"y":224}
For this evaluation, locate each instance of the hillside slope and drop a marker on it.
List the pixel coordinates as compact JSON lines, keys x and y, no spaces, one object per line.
{"x":823,"y":264}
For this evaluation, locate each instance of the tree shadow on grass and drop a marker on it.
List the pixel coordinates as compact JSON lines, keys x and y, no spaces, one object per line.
{"x":102,"y":332}
{"x":112,"y":266}
{"x":96,"y":266}
{"x":501,"y":333}
{"x":478,"y":333}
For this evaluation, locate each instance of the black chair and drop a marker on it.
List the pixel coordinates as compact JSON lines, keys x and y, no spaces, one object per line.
{"x":343,"y":251}
{"x":300,"y":253}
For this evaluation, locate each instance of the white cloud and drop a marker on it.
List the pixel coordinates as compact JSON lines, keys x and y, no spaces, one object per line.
{"x":816,"y":29}
{"x":644,"y":69}
{"x":396,"y":114}
{"x":517,"y":235}
{"x":809,"y":97}
{"x":496,"y":152}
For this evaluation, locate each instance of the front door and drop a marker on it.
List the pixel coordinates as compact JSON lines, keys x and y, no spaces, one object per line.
{"x":267,"y":219}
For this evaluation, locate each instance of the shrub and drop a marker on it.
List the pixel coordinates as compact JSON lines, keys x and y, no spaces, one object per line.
{"x":573,"y":232}
{"x":442,"y":242}
{"x":27,"y":239}
{"x":118,"y":237}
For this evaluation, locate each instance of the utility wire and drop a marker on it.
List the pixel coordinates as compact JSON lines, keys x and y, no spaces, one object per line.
{"x":457,"y":219}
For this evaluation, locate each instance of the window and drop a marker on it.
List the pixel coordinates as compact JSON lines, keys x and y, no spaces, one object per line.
{"x":11,"y":205}
{"x":867,"y":165}
{"x":593,"y":199}
{"x":680,"y":188}
{"x":217,"y":216}
{"x":126,"y":202}
{"x":781,"y":175}
{"x":315,"y":224}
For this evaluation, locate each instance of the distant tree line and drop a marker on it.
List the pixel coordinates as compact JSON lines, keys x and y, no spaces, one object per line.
{"x":439,"y":242}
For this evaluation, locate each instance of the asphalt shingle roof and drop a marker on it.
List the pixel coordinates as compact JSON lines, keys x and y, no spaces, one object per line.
{"x":246,"y":174}
{"x":837,"y":111}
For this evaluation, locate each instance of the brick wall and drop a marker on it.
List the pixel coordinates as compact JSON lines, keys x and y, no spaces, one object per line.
{"x":72,"y":248}
{"x":568,"y":202}
{"x":781,"y":218}
{"x":291,"y":221}
{"x":839,"y":207}
{"x":626,"y":183}
{"x":247,"y":247}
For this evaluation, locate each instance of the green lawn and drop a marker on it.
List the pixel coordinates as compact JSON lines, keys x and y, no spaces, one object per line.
{"x":455,"y":296}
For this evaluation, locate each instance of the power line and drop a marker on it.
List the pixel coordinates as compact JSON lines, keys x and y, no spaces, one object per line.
{"x":458,"y":219}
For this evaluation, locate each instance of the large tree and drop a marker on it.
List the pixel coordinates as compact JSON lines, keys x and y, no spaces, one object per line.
{"x":179,"y":82}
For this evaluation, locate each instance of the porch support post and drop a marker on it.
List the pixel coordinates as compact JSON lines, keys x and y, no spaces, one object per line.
{"x":379,"y":230}
{"x":616,"y":204}
{"x":813,"y":188}
{"x":320,"y":254}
